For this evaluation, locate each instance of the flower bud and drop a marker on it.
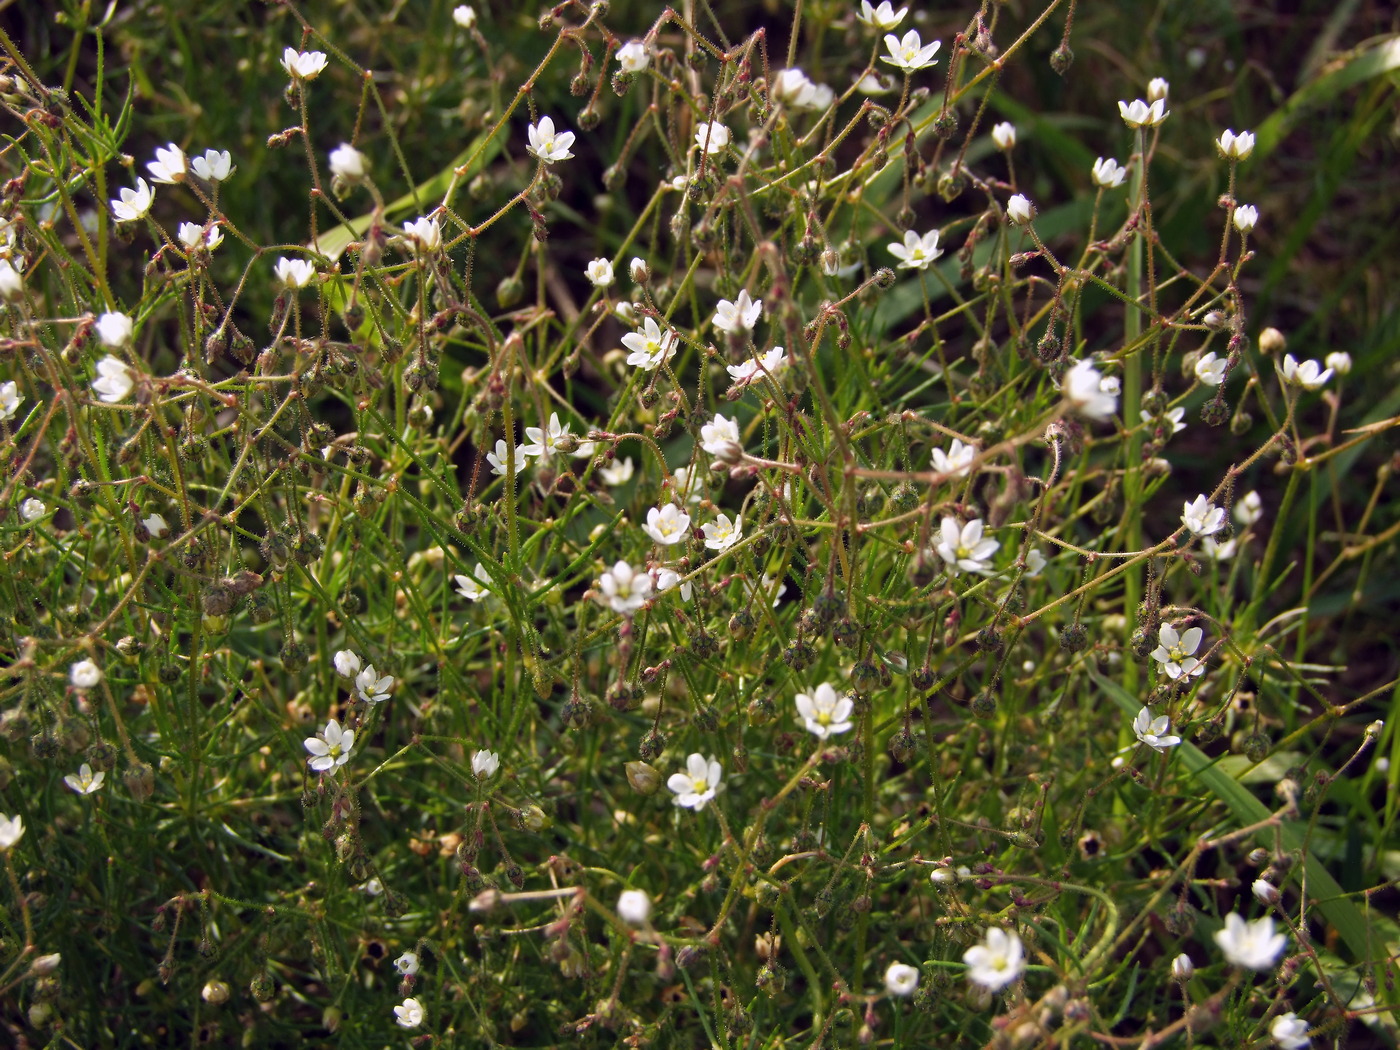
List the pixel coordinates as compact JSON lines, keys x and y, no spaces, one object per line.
{"x":644,"y":778}
{"x":1272,"y":341}
{"x":215,"y":992}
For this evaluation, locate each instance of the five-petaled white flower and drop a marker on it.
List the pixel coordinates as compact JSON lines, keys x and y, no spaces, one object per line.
{"x":1210,"y":369}
{"x":1246,"y":215}
{"x":424,"y":234}
{"x":1154,"y":732}
{"x":347,"y":663}
{"x":1108,"y":173}
{"x":194,"y":237}
{"x":10,"y":397}
{"x":1139,"y":114}
{"x":464,"y":16}
{"x":1004,"y":135}
{"x":957,"y":461}
{"x":294,"y":273}
{"x":1237,"y":147}
{"x":770,"y":362}
{"x":1253,"y":945}
{"x":409,"y":1014}
{"x":544,"y":442}
{"x":740,"y":315}
{"x":85,"y":782}
{"x":169,"y":166}
{"x":634,"y":907}
{"x":664,"y":578}
{"x":303,"y":65}
{"x":11,"y":831}
{"x":917,"y":252}
{"x":1249,"y":509}
{"x":963,"y":546}
{"x":1307,"y":374}
{"x":882,"y":17}
{"x":1218,"y":551}
{"x":721,"y":534}
{"x":1202,"y":516}
{"x":624,"y":589}
{"x":370,"y":687}
{"x":1175,"y":650}
{"x":134,"y":204}
{"x":901,"y":979}
{"x":330,"y":748}
{"x":475,"y":586}
{"x":720,"y":438}
{"x":485,"y":763}
{"x":910,"y":53}
{"x":32,"y":509}
{"x":1083,"y":386}
{"x":215,"y":165}
{"x":997,"y":961}
{"x":548,"y":145}
{"x":712,"y":137}
{"x":499,"y":458}
{"x":1290,"y":1031}
{"x":1019,"y":209}
{"x":1174,"y":417}
{"x":114,"y":329}
{"x":667,"y":525}
{"x":698,"y":784}
{"x":407,"y":964}
{"x":348,"y":163}
{"x":824,"y":712}
{"x":600,"y":272}
{"x":618,"y":472}
{"x":651,"y":347}
{"x":113,"y":380}
{"x":633,"y":56}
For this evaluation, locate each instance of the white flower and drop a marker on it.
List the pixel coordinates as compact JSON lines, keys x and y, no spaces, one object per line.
{"x":901,"y":979}
{"x":303,"y":65}
{"x":1235,"y":146}
{"x":667,"y":525}
{"x":194,"y":237}
{"x":1183,"y":967}
{"x":476,"y":586}
{"x":1172,"y":416}
{"x":348,"y":163}
{"x":1210,"y":369}
{"x":997,"y":961}
{"x":910,"y":53}
{"x":169,"y":165}
{"x":1290,"y":1031}
{"x":712,"y":137}
{"x":963,"y":547}
{"x":1154,"y":732}
{"x":664,"y":578}
{"x":882,"y":17}
{"x":407,"y":964}
{"x":84,"y":674}
{"x":720,"y":438}
{"x":742,"y":314}
{"x":721,"y":534}
{"x":424,"y":234}
{"x":32,"y":509}
{"x":1175,"y":651}
{"x":134,"y":204}
{"x":684,"y":484}
{"x":113,"y":380}
{"x":1004,"y":135}
{"x":156,"y":525}
{"x":618,"y":472}
{"x":294,"y":273}
{"x":484,"y":764}
{"x":1309,"y":374}
{"x":1339,"y":361}
{"x":1082,"y":388}
{"x":1035,"y":564}
{"x":1246,"y":215}
{"x":1265,"y":892}
{"x":114,"y":330}
{"x":1140,"y":114}
{"x":633,"y":56}
{"x":215,"y":166}
{"x":651,"y":347}
{"x":330,"y":748}
{"x":12,"y":281}
{"x":497,"y":459}
{"x":770,"y":362}
{"x":916,"y":253}
{"x":1019,"y":209}
{"x":794,"y":88}
{"x":1157,"y":88}
{"x":347,"y":663}
{"x":410,"y":1014}
{"x":634,"y":907}
{"x":1108,"y":173}
{"x":639,"y":270}
{"x":11,"y":830}
{"x":546,"y":144}
{"x":624,"y":590}
{"x":957,"y":461}
{"x":1253,"y":945}
{"x":370,"y":687}
{"x":823,"y":712}
{"x":698,"y":784}
{"x":1202,"y":516}
{"x":1111,"y":385}
{"x":10,"y":397}
{"x":1218,"y":551}
{"x":600,"y":272}
{"x":86,"y":781}
{"x":464,"y":16}
{"x":544,"y":442}
{"x":1249,"y":509}
{"x":765,"y":584}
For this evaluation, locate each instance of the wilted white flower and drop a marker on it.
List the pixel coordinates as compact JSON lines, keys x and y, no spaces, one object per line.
{"x":901,"y":979}
{"x":1175,"y":652}
{"x":600,"y":272}
{"x":1309,"y":374}
{"x":667,"y":525}
{"x":424,"y":234}
{"x":633,"y":56}
{"x":348,"y":163}
{"x":409,"y":1014}
{"x":638,"y":270}
{"x":1237,"y":147}
{"x":114,"y":380}
{"x":484,"y":764}
{"x":651,"y":347}
{"x":1290,"y":1031}
{"x":548,"y":145}
{"x":698,"y":784}
{"x":957,"y":461}
{"x":1019,"y":209}
{"x":371,"y":688}
{"x":882,"y":17}
{"x":712,"y":137}
{"x":1202,"y":516}
{"x":824,"y":712}
{"x":1108,"y":173}
{"x":156,"y":525}
{"x":721,"y":534}
{"x":740,"y":315}
{"x":916,"y":253}
{"x":997,"y":961}
{"x":32,"y":509}
{"x":134,"y":204}
{"x":498,"y":458}
{"x":464,"y":16}
{"x":294,"y":273}
{"x":169,"y":165}
{"x":1252,"y":945}
{"x":1210,"y":370}
{"x":963,"y":546}
{"x":1339,"y":361}
{"x":720,"y":438}
{"x":114,"y":330}
{"x":1246,"y":215}
{"x":215,"y":166}
{"x":544,"y":442}
{"x":347,"y":663}
{"x":330,"y":748}
{"x":910,"y":53}
{"x":634,"y":907}
{"x":624,"y":589}
{"x":85,"y":782}
{"x":618,"y":472}
{"x":1004,"y":135}
{"x":1139,"y":114}
{"x":1249,"y":509}
{"x":303,"y":65}
{"x":1154,"y":732}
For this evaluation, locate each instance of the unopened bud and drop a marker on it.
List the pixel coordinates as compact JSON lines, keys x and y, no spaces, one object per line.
{"x":644,"y":778}
{"x":1272,"y":341}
